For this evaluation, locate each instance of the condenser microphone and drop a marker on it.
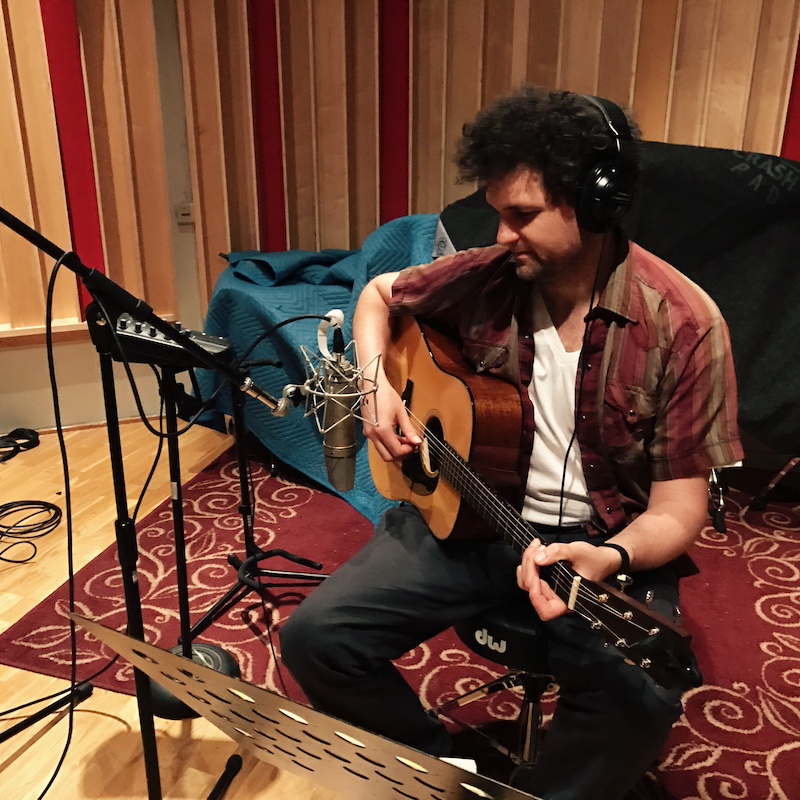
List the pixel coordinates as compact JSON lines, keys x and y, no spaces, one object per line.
{"x":339,"y":383}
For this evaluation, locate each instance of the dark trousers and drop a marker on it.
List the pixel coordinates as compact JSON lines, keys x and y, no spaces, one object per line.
{"x":403,"y":588}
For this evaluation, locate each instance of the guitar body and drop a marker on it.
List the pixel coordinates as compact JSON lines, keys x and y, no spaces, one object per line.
{"x":479,"y":416}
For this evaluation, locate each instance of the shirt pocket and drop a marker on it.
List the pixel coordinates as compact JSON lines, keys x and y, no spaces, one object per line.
{"x":485,"y":355}
{"x":628,"y":419}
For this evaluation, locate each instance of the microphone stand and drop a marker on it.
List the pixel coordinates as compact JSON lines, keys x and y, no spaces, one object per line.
{"x":118,"y":301}
{"x":247,"y":571}
{"x":125,"y":530}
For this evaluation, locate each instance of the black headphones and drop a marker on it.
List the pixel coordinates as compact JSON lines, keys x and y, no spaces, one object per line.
{"x":608,"y":187}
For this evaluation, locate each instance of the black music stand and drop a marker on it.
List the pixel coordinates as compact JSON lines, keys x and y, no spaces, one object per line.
{"x":356,"y":763}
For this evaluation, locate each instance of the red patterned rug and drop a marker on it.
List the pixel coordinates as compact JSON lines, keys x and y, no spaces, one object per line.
{"x":740,"y":733}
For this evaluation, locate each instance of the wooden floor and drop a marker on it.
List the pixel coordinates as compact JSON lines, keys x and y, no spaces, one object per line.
{"x":105,"y":757}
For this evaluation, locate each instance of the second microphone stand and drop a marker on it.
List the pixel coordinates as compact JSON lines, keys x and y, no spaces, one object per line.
{"x":250,"y":577}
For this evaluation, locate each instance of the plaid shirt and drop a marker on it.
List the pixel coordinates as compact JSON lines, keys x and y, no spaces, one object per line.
{"x":658,"y":399}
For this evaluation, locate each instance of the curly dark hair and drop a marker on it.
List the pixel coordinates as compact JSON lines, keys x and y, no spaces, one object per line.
{"x":561,"y":135}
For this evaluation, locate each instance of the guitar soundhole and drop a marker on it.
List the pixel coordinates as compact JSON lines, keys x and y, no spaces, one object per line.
{"x":421,"y":469}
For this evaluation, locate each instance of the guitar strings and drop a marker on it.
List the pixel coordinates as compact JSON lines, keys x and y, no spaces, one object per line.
{"x":522,"y":533}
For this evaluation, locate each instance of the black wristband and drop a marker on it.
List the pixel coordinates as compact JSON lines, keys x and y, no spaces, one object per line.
{"x":625,"y":566}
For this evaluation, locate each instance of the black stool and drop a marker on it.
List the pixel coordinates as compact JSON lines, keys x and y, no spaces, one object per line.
{"x":511,"y":635}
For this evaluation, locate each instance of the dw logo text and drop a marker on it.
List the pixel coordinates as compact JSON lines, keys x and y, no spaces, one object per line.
{"x":484,"y":638}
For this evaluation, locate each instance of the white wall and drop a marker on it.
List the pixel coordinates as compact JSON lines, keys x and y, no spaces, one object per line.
{"x":26,"y":398}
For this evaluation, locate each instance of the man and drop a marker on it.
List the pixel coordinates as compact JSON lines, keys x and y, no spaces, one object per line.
{"x":627,"y":394}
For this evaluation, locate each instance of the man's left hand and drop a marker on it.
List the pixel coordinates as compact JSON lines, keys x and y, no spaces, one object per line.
{"x":592,"y":563}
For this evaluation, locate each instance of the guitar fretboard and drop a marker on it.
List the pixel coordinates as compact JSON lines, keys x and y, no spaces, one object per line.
{"x":493,"y":510}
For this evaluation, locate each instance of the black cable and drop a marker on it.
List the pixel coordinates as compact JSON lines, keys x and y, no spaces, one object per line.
{"x":241,"y":361}
{"x":46,"y":526}
{"x":22,"y":529}
{"x":582,"y":369}
{"x":6,"y":712}
{"x":156,"y":458}
{"x":67,"y":512}
{"x":264,"y":609}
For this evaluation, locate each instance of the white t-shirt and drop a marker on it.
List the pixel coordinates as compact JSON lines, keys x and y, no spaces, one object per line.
{"x":552,"y":390}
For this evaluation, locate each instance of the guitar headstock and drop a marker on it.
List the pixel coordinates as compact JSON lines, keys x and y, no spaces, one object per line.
{"x":669,"y":667}
{"x":646,"y":639}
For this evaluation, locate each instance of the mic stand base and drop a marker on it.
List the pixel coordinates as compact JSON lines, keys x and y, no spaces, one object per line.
{"x":166,"y":705}
{"x":248,"y":574}
{"x":73,"y":697}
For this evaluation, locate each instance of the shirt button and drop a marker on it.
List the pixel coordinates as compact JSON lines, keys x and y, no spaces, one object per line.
{"x":583,"y":417}
{"x":631,"y":413}
{"x":608,"y":510}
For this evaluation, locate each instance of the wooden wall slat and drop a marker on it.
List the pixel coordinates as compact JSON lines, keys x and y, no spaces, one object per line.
{"x":618,"y":50}
{"x":140,"y":90}
{"x":329,"y":49}
{"x":544,"y":42}
{"x":394,"y":108}
{"x":520,"y":34}
{"x":48,"y":203}
{"x":23,"y":303}
{"x":10,"y":151}
{"x":109,"y":121}
{"x":268,"y":134}
{"x":233,"y":42}
{"x":582,"y":26}
{"x":429,"y":57}
{"x":693,"y":60}
{"x":361,"y":24}
{"x":778,"y":35}
{"x":197,"y":24}
{"x":731,"y":71}
{"x":465,"y":32}
{"x":299,"y":121}
{"x":498,"y":49}
{"x":654,"y":64}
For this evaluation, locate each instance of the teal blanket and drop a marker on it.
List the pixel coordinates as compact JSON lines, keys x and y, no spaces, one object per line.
{"x":260,"y":290}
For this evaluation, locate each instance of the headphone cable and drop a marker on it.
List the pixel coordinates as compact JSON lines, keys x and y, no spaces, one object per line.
{"x":582,"y":368}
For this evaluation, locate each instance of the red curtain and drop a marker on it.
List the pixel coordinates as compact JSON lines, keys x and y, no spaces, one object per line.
{"x":394,"y":108}
{"x":791,"y":134}
{"x":72,"y":119}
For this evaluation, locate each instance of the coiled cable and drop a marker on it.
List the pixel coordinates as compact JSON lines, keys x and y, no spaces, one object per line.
{"x":22,"y":521}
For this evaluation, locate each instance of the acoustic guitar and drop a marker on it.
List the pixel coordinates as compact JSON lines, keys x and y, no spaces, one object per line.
{"x":471,"y":426}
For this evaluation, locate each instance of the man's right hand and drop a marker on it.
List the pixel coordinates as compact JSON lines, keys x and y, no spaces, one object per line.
{"x":394,"y":436}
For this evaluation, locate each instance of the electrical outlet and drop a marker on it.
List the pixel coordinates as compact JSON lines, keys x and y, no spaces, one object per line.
{"x":184,"y":213}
